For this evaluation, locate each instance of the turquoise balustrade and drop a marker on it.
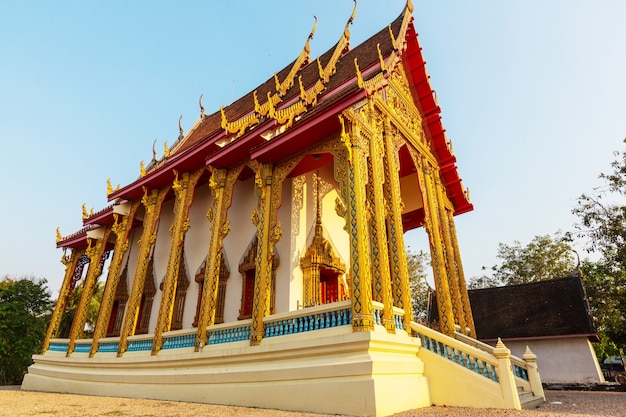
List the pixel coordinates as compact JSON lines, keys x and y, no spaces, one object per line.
{"x":179,"y":341}
{"x":140,"y":345}
{"x":310,"y":322}
{"x":460,"y":357}
{"x":82,"y":348}
{"x":520,"y":372}
{"x":108,"y":347}
{"x":231,"y":334}
{"x":58,"y":347}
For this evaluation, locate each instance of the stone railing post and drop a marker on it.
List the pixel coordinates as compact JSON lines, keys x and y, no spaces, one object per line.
{"x":533,"y":373}
{"x":507,"y":379}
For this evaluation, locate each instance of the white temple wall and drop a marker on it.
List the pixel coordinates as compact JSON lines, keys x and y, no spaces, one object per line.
{"x":242,"y":232}
{"x":161,"y":249}
{"x":303,"y":215}
{"x":300,"y":201}
{"x":197,"y":242}
{"x":569,"y":360}
{"x":334,"y":225}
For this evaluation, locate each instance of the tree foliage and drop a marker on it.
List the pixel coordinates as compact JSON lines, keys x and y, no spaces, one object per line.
{"x":25,"y":308}
{"x":417,"y":263}
{"x":602,"y":215}
{"x":544,"y":258}
{"x":92,"y":312}
{"x":604,"y":285}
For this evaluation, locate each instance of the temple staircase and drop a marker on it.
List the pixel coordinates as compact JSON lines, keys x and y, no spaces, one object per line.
{"x":465,"y":372}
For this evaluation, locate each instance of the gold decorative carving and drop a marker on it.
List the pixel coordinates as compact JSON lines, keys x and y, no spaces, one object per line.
{"x":95,"y":254}
{"x":322,"y":270}
{"x":222,"y":183}
{"x":361,"y":288}
{"x":152,"y":202}
{"x":395,"y":207}
{"x":344,"y":43}
{"x":121,"y":229}
{"x":184,"y":189}
{"x":70,"y":261}
{"x":301,"y":61}
{"x":433,"y":229}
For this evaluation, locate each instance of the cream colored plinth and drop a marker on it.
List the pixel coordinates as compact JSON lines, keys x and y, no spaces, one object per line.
{"x":327,"y":371}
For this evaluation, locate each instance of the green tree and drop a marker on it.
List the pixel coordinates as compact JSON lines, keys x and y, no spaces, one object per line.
{"x":544,"y":258}
{"x":25,"y":308}
{"x":417,"y":263}
{"x":604,"y":285}
{"x":92,"y":313}
{"x":602,"y":215}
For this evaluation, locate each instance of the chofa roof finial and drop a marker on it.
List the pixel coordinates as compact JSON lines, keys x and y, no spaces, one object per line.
{"x":202,"y":112}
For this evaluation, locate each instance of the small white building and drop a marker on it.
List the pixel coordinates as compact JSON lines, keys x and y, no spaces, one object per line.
{"x":551,"y":317}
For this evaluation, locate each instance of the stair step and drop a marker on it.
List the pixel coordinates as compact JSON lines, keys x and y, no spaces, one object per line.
{"x":528,"y":400}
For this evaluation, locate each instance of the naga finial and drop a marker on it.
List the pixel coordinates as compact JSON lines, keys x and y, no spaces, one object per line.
{"x":307,"y":46}
{"x":202,"y":112}
{"x":393,"y":39}
{"x":224,"y":119}
{"x":180,"y":127}
{"x":346,"y":31}
{"x":409,"y":6}
{"x":166,"y":150}
{"x":142,"y":169}
{"x":85,"y":214}
{"x":380,"y":58}
{"x":109,"y":186}
{"x":59,"y":237}
{"x":277,"y":82}
{"x":154,"y":150}
{"x":359,"y":76}
{"x":176,"y":185}
{"x":314,"y":28}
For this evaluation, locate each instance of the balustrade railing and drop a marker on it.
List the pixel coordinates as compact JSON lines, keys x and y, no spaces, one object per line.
{"x":473,"y":359}
{"x":398,"y":315}
{"x":519,"y":366}
{"x":324,"y":316}
{"x":309,"y":319}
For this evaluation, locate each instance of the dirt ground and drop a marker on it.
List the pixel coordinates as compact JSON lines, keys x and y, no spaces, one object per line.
{"x":17,"y":403}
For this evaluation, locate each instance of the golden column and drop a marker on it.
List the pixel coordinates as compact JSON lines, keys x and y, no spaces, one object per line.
{"x":467,"y":308}
{"x":267,"y":235}
{"x":95,"y":254}
{"x":122,"y":231}
{"x":360,"y":273}
{"x":70,"y":261}
{"x":433,"y":228}
{"x":152,"y":202}
{"x":453,"y":270}
{"x":395,"y":231}
{"x":184,"y":190}
{"x":222,"y":183}
{"x":381,"y":274}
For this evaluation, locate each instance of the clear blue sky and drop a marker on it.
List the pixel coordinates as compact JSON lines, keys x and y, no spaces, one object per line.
{"x":533,"y":95}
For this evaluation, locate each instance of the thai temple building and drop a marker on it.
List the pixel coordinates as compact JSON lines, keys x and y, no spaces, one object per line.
{"x":260,"y":261}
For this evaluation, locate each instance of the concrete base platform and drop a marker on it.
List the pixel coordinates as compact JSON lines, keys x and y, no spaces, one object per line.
{"x":334,"y":371}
